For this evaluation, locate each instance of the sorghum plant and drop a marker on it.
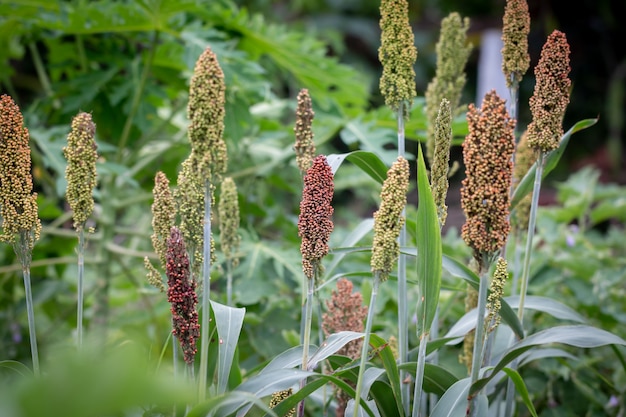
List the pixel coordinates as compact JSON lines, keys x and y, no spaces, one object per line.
{"x":21,"y":226}
{"x":440,"y":163}
{"x":81,"y":154}
{"x":304,"y":145}
{"x":228,"y":212}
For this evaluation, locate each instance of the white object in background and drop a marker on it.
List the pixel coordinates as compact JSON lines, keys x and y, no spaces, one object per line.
{"x":490,"y":76}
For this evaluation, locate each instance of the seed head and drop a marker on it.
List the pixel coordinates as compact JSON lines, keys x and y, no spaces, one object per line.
{"x":494,"y":300}
{"x":181,"y":294}
{"x":525,"y":157}
{"x":206,"y":114}
{"x":81,"y":154}
{"x":304,"y":145}
{"x":388,"y":220}
{"x":228,"y":210}
{"x":439,"y":167}
{"x":452,"y":54}
{"x":315,"y":223}
{"x":280,"y":396}
{"x":397,"y":54}
{"x":515,"y":29}
{"x":18,"y":204}
{"x":487,"y":153}
{"x":551,"y":95}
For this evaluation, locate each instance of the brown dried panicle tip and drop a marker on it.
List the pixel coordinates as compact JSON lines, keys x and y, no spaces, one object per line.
{"x":487,"y":153}
{"x":397,"y":54}
{"x":163,"y":218}
{"x":388,"y":220}
{"x":551,"y":95}
{"x":304,"y":145}
{"x":229,"y":220}
{"x":315,"y":223}
{"x":182,"y":296}
{"x":207,"y":96}
{"x":81,"y":154}
{"x":18,"y":204}
{"x":515,"y":29}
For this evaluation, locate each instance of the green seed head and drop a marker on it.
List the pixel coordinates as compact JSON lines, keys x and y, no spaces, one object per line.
{"x":515,"y":29}
{"x":228,"y":211}
{"x":439,"y":167}
{"x":304,"y":146}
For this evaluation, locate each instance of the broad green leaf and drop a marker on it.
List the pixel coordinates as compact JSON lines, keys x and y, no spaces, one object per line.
{"x":228,"y":321}
{"x":360,"y":412}
{"x":331,"y":345}
{"x":429,"y":258}
{"x":214,"y":406}
{"x":391,"y":367}
{"x":521,"y":389}
{"x":17,"y":367}
{"x":454,"y":402}
{"x":526,"y":184}
{"x":577,"y":335}
{"x":369,"y":162}
{"x":537,"y":354}
{"x":436,"y":378}
{"x":547,"y":305}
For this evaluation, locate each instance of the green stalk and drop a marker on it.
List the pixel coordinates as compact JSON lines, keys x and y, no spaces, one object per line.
{"x":419,"y":374}
{"x":31,"y":320}
{"x":477,"y":355}
{"x":41,"y":70}
{"x":229,"y":282}
{"x":366,"y":343}
{"x":175,"y":363}
{"x":308,"y":316}
{"x":80,"y":290}
{"x":403,"y":322}
{"x":206,"y":292}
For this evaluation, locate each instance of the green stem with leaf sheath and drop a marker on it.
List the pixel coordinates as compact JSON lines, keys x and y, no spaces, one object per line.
{"x":206,"y":292}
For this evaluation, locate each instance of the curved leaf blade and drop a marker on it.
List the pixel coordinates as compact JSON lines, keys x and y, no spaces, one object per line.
{"x":229,"y":321}
{"x":369,"y":163}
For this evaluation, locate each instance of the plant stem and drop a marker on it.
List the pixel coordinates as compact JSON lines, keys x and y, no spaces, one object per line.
{"x":31,"y":320}
{"x":306,"y":340}
{"x":229,"y":282}
{"x":419,"y":374}
{"x":41,"y":72}
{"x":206,"y":292}
{"x":79,"y":289}
{"x":477,"y":355}
{"x":366,"y":343}
{"x":403,"y":322}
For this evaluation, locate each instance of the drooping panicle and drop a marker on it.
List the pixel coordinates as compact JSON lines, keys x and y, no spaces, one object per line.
{"x":18,"y":204}
{"x":182,"y":296}
{"x":163,"y":218}
{"x":304,"y":145}
{"x":397,"y":54}
{"x":487,"y":154}
{"x":315,"y":223}
{"x":452,"y":54}
{"x":439,"y":168}
{"x":515,"y":30}
{"x":207,"y":97}
{"x":228,"y":212}
{"x":81,"y":154}
{"x":551,"y":95}
{"x":388,"y":219}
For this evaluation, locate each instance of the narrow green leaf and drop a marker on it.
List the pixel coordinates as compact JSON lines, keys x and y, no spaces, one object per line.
{"x":547,"y":305}
{"x":17,"y":367}
{"x":214,"y":406}
{"x":429,"y":260}
{"x":391,"y":367}
{"x":369,"y":162}
{"x":437,"y":379}
{"x":537,"y":354}
{"x":454,"y":402}
{"x":526,"y":184}
{"x":331,"y":345}
{"x":577,"y":335}
{"x":229,"y":321}
{"x":521,"y":389}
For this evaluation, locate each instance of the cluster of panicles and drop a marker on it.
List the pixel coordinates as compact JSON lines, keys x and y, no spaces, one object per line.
{"x":496,"y":288}
{"x":189,"y":198}
{"x":181,"y":294}
{"x":207,"y":96}
{"x":228,"y":212}
{"x":18,"y":204}
{"x":345,"y":312}
{"x":397,"y":54}
{"x":515,"y":29}
{"x":163,"y":218}
{"x":315,"y":223}
{"x":525,"y":157}
{"x":439,"y":167}
{"x":452,"y":54}
{"x":280,"y":396}
{"x":304,"y":145}
{"x":81,"y":154}
{"x":551,"y":95}
{"x":487,"y":155}
{"x":388,"y":220}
